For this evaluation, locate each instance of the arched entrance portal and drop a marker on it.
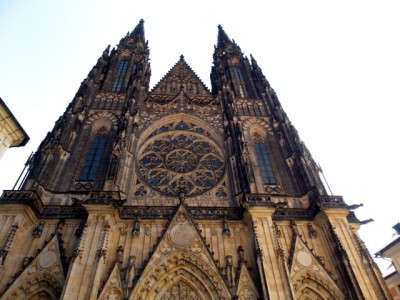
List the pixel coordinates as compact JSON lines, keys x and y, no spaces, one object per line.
{"x":42,"y":295}
{"x":181,"y":276}
{"x":181,"y":290}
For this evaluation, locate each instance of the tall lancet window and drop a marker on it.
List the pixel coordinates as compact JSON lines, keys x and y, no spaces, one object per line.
{"x":93,"y":157}
{"x":241,"y":83}
{"x":264,"y":162}
{"x":120,"y":75}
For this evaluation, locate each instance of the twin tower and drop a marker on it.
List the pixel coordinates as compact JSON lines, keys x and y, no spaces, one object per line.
{"x":178,"y":192}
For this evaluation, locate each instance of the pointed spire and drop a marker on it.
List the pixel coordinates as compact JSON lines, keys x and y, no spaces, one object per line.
{"x":222,"y":37}
{"x":258,"y":72}
{"x":253,"y":61}
{"x":138,"y":32}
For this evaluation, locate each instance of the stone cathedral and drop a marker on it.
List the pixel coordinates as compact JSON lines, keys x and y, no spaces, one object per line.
{"x":178,"y":192}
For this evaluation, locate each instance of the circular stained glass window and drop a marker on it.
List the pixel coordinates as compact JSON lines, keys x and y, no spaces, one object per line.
{"x":177,"y":161}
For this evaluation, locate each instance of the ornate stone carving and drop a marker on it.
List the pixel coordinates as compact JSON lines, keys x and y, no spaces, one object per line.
{"x":147,"y":229}
{"x":331,"y":201}
{"x":225,"y":227}
{"x":196,"y":247}
{"x":103,"y":114}
{"x":273,"y":189}
{"x":7,"y":244}
{"x":103,"y":243}
{"x":165,"y":248}
{"x":229,"y":272}
{"x":120,"y":254}
{"x":37,"y":231}
{"x":181,"y":160}
{"x":130,"y":272}
{"x":180,"y":291}
{"x":213,"y":230}
{"x":311,"y":231}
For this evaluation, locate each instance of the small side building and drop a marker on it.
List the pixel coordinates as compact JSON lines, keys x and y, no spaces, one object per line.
{"x":392,"y":251}
{"x":11,"y":132}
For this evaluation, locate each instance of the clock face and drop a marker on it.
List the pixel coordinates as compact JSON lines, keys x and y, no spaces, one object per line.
{"x":179,"y":160}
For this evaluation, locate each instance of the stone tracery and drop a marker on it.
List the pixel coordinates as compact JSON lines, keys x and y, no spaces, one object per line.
{"x":175,"y":160}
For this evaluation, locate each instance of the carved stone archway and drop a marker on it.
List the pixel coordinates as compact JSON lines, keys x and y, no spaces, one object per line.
{"x":42,"y":295}
{"x":34,"y":286}
{"x":311,"y":286}
{"x":181,"y":289}
{"x":310,"y":294}
{"x":178,"y":275}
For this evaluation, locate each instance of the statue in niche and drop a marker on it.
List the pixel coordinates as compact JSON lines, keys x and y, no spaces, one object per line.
{"x":120,"y":253}
{"x":311,"y":231}
{"x":130,"y":274}
{"x":241,"y":255}
{"x":113,"y":296}
{"x":225,"y":227}
{"x":136,"y":227}
{"x":230,"y":272}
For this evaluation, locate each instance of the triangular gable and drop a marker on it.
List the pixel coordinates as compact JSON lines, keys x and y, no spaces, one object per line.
{"x":181,"y":76}
{"x":43,"y":275}
{"x":181,"y":263}
{"x":308,"y":275}
{"x":113,"y":286}
{"x":246,"y":289}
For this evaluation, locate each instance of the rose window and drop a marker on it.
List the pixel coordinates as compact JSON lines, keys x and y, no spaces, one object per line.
{"x":177,"y":161}
{"x":181,"y":160}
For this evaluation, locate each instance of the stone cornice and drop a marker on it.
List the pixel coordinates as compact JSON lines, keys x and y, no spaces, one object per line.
{"x":15,"y":132}
{"x":78,"y":210}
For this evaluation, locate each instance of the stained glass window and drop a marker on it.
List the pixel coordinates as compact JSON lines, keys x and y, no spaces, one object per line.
{"x":123,"y":66}
{"x":242,"y":86}
{"x":93,"y":158}
{"x":181,"y":160}
{"x":117,"y":84}
{"x":264,"y":162}
{"x":120,"y":75}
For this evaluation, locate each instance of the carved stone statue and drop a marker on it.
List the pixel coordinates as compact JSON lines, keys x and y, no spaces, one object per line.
{"x":230,"y":271}
{"x":136,"y":227}
{"x":130,"y":272}
{"x":311,"y":231}
{"x":225,"y":227}
{"x":120,"y":253}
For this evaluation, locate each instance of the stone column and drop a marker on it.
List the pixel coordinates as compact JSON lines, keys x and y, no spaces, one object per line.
{"x":357,"y":262}
{"x":87,"y":266}
{"x":274,"y":269}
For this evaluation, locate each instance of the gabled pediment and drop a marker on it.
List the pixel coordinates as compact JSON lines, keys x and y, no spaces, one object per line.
{"x":44,"y":270}
{"x":181,"y":77}
{"x":113,"y":285}
{"x":246,"y":289}
{"x":309,"y":276}
{"x":181,"y":262}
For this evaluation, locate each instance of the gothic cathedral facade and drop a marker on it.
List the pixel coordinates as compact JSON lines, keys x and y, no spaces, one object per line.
{"x":178,"y":192}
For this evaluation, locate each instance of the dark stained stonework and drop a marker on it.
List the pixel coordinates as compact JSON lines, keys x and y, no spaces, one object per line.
{"x":209,"y":194}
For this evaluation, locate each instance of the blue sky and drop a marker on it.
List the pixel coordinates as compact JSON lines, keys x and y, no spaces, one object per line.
{"x":335,"y":66}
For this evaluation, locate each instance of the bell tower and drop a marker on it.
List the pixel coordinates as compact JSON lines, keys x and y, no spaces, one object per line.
{"x":86,"y":145}
{"x":178,"y":192}
{"x":266,"y":147}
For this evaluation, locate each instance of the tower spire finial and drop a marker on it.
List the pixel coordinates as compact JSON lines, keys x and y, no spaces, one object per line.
{"x":138,"y":32}
{"x":222,"y":37}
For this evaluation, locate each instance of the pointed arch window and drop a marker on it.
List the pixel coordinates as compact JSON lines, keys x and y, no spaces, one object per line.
{"x":123,"y":66}
{"x":264,"y":162}
{"x":241,"y":83}
{"x":93,"y":157}
{"x":120,"y":75}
